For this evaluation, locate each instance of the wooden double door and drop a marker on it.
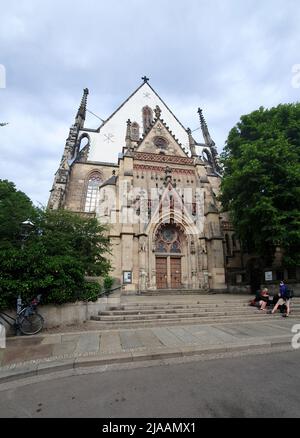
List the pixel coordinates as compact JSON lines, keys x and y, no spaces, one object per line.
{"x":168,"y":272}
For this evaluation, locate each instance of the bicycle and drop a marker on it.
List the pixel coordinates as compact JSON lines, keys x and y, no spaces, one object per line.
{"x":27,"y":321}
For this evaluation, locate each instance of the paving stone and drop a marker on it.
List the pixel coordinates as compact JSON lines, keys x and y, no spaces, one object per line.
{"x":64,"y":348}
{"x":88,"y":342}
{"x":237,"y":330}
{"x":130,"y":340}
{"x":70,"y":338}
{"x":148,"y":339}
{"x":53,"y":339}
{"x":23,"y":341}
{"x":258,"y":330}
{"x":184,"y":335}
{"x":17,"y":354}
{"x":166,"y":337}
{"x":210,"y":335}
{"x":110,"y":343}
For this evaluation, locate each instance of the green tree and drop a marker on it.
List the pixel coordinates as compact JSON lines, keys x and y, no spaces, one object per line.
{"x":15,"y":207}
{"x":55,"y":259}
{"x":261,"y":183}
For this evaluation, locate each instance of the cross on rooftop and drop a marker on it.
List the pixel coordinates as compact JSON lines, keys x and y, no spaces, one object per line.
{"x":145,"y":79}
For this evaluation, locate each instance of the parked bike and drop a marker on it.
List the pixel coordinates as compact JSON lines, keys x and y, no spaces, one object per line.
{"x":27,"y":321}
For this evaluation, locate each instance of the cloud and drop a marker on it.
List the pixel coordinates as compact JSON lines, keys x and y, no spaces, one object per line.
{"x":229,"y":58}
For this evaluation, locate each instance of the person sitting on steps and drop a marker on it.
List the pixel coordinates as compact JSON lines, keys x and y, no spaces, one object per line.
{"x":264,"y":299}
{"x":284,"y":299}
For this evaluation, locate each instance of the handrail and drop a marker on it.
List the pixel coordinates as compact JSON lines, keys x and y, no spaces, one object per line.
{"x":107,"y":292}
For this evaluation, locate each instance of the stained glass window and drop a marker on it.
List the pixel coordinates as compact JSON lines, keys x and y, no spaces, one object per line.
{"x":167,"y":240}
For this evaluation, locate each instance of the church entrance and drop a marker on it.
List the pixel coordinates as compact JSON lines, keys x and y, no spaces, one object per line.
{"x":168,"y":249}
{"x":161,"y":273}
{"x":175,"y":272}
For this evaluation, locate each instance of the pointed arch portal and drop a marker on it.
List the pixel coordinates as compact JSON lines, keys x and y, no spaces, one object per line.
{"x":169,"y":243}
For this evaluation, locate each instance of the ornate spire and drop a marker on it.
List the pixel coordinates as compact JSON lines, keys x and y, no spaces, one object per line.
{"x":80,"y":117}
{"x":191,"y":143}
{"x":128,"y":135}
{"x":207,"y":138}
{"x":210,"y":143}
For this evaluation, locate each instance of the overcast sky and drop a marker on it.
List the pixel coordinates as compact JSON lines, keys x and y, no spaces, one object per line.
{"x":229,"y":57}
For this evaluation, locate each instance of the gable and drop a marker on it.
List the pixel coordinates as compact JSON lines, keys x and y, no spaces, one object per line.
{"x":159,"y":140}
{"x":107,"y":142}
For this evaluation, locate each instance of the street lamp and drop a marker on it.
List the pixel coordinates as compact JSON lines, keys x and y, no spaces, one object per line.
{"x":26,"y":228}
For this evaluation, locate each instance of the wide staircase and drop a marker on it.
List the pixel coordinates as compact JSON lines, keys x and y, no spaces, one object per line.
{"x":210,"y":309}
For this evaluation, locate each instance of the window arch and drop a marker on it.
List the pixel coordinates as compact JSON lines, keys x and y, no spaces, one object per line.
{"x":160,"y":142}
{"x":147,"y":117}
{"x":168,"y":239}
{"x":92,"y":192}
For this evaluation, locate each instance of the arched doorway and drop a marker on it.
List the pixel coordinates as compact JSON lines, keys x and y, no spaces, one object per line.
{"x":255,"y":274}
{"x":169,"y":241}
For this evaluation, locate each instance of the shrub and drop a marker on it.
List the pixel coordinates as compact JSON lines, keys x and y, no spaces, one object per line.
{"x":108,"y":282}
{"x":90,"y":292}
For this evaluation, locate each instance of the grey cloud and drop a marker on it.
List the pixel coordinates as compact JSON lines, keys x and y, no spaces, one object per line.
{"x":229,"y":57}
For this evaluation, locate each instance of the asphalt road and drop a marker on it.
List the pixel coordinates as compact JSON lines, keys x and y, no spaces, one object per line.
{"x":250,"y":386}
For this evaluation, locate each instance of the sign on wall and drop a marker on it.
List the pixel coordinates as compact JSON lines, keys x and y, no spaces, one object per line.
{"x":127,"y":277}
{"x":268,"y":276}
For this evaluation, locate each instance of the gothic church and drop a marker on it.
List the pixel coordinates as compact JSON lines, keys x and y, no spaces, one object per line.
{"x":158,"y":195}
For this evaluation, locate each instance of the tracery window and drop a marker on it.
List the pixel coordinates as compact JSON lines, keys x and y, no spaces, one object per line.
{"x":160,"y":143}
{"x":92,"y":193}
{"x":135,"y":131}
{"x":168,"y":239}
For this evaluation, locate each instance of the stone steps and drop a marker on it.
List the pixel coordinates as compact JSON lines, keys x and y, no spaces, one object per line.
{"x":205,"y":310}
{"x":196,"y":311}
{"x":183,"y":305}
{"x":108,"y":325}
{"x":175,"y":315}
{"x":161,"y":292}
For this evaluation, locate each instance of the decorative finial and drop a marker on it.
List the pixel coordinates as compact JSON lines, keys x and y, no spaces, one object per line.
{"x":145,"y":79}
{"x":128,"y":130}
{"x":207,"y":138}
{"x":202,"y":119}
{"x":128,"y":136}
{"x":191,"y":143}
{"x":157,"y":112}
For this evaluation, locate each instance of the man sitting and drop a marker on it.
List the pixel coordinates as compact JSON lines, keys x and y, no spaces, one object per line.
{"x":284,"y":299}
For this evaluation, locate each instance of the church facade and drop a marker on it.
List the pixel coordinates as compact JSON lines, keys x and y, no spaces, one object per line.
{"x":144,"y":175}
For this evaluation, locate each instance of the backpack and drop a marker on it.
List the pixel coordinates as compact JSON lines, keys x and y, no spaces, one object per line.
{"x":289,"y":294}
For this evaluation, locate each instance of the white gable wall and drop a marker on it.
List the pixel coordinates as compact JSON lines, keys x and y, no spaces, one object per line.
{"x":106,"y":144}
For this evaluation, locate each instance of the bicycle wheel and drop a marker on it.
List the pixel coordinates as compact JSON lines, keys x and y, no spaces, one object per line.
{"x":31,"y":324}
